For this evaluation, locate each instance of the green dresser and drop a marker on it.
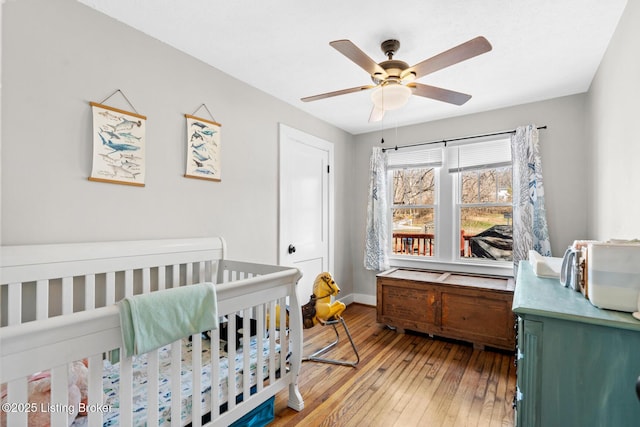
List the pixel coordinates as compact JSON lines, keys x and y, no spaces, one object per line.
{"x":577,"y":364}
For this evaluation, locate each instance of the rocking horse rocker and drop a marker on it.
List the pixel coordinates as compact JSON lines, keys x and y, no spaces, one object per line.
{"x":320,"y":310}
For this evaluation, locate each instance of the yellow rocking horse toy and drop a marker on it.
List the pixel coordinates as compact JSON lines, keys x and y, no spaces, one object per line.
{"x":324,"y":287}
{"x":321,"y":310}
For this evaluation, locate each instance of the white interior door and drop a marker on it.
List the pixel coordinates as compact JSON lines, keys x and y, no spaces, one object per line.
{"x":306,"y":206}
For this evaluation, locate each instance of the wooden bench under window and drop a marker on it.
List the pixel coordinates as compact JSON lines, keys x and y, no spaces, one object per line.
{"x":467,"y":307}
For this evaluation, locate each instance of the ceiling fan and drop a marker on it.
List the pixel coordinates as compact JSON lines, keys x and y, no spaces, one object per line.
{"x":394,"y":80}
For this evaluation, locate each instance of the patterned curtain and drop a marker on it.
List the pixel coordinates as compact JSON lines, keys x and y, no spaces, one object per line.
{"x":529,"y":217}
{"x":375,"y":251}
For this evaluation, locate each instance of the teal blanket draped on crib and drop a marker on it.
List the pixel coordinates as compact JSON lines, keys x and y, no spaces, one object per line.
{"x":151,"y":320}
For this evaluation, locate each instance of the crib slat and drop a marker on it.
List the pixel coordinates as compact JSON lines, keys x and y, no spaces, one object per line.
{"x":246,"y":354}
{"x":190,"y":270}
{"x":146,"y":280}
{"x":94,"y":391}
{"x":89,"y":291}
{"x":152,"y":388}
{"x":110,"y":284}
{"x":59,"y":396}
{"x":128,"y":283}
{"x":176,"y":395}
{"x":17,"y":392}
{"x":162,"y":277}
{"x":67,"y":295}
{"x":208,"y":272}
{"x":283,"y":338}
{"x":231,"y":356}
{"x":42,"y":299}
{"x":260,"y":346}
{"x":215,"y":374}
{"x":196,"y":363}
{"x":272,"y":339}
{"x":175,"y":280}
{"x":202,"y":269}
{"x":219,"y":274}
{"x":14,"y":308}
{"x":126,"y":390}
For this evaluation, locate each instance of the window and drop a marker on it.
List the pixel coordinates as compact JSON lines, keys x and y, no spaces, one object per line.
{"x":485,"y":213}
{"x":460,"y":213}
{"x":482,"y":174}
{"x":414,"y":193}
{"x":413,"y":211}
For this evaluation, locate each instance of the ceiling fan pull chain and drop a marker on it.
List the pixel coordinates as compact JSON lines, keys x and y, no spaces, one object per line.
{"x":382,"y":129}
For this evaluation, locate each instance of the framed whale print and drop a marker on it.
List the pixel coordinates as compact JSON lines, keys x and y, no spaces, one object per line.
{"x":118,"y":146}
{"x":203,"y":149}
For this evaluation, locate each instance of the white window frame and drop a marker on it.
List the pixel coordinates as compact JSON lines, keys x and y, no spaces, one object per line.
{"x":447,"y":223}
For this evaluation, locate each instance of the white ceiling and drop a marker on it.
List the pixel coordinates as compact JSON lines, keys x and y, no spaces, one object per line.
{"x":541,"y":49}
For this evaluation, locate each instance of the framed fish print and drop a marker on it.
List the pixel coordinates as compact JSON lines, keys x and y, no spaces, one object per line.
{"x":118,"y":146}
{"x":203,"y":148}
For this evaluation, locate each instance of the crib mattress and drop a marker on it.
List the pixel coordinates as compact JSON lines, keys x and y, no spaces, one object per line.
{"x":111,"y":377}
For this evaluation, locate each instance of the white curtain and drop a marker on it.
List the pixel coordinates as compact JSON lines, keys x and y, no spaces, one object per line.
{"x":529,"y":217}
{"x":376,"y":255}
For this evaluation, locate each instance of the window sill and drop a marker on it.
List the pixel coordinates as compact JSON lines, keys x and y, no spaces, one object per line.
{"x":476,"y":267}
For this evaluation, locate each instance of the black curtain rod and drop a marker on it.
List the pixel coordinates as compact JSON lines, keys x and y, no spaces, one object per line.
{"x":506,"y":132}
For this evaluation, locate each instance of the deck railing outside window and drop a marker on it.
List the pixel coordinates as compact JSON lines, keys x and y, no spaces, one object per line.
{"x":422,"y":244}
{"x":494,"y":243}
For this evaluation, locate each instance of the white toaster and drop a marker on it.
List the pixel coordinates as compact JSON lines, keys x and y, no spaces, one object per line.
{"x":613,"y":275}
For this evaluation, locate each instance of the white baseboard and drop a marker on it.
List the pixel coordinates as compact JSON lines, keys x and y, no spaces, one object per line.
{"x":359,"y":298}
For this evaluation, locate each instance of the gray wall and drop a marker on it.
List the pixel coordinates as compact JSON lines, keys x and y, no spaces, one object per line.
{"x":613,"y":116}
{"x":563,"y":160}
{"x":57,"y":57}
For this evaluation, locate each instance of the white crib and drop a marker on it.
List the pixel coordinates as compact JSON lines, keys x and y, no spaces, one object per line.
{"x":57,"y":306}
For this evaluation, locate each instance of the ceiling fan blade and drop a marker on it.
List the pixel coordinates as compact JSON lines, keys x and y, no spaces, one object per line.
{"x":336,"y":93}
{"x":462,"y":52}
{"x":351,"y":51}
{"x":376,"y":114}
{"x":439,"y":94}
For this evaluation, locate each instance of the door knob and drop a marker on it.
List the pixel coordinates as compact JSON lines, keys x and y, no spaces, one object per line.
{"x":292,"y":249}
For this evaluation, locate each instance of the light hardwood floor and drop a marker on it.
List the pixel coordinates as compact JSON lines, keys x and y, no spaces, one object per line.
{"x":402,"y":380}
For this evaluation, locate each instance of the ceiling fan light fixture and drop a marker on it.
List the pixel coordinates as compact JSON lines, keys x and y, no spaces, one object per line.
{"x":390,"y":96}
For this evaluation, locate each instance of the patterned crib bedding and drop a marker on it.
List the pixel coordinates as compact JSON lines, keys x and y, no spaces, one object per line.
{"x":111,"y":377}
